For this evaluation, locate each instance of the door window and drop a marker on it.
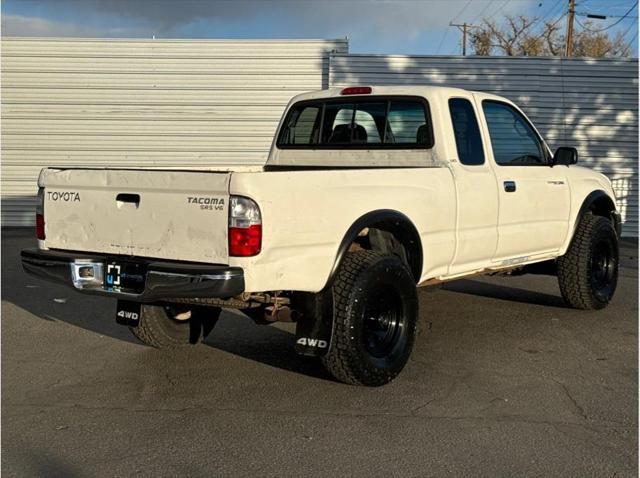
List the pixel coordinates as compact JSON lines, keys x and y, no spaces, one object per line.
{"x":513,"y":141}
{"x":466,"y":132}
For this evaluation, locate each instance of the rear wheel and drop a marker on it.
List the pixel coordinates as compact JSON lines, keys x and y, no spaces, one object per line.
{"x":375,"y":316}
{"x":167,"y":326}
{"x":588,"y":272}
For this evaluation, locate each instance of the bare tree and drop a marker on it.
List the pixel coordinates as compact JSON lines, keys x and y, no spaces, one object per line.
{"x":598,"y":44}
{"x":524,"y":36}
{"x":553,"y":39}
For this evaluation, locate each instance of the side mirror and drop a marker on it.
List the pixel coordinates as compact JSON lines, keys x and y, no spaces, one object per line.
{"x":565,"y":156}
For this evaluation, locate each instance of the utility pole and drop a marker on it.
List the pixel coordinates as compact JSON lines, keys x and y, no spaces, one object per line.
{"x":463,"y":28}
{"x":569,"y":46}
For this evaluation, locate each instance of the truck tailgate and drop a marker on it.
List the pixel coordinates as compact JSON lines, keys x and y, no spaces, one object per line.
{"x":172,"y":215}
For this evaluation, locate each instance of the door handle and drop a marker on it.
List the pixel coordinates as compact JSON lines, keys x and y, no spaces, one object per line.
{"x":510,"y":186}
{"x":123,"y":199}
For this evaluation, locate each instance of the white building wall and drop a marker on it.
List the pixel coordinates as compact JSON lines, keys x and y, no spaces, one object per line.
{"x":591,"y":104}
{"x":190,"y":103}
{"x":144,"y":103}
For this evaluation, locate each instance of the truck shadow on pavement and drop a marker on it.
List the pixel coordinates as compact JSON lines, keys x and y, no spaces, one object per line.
{"x":500,"y":292}
{"x":235,"y":334}
{"x":267,"y":344}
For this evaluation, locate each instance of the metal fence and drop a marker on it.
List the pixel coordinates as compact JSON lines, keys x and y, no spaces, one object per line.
{"x":588,"y":103}
{"x":145,"y":103}
{"x":191,"y":103}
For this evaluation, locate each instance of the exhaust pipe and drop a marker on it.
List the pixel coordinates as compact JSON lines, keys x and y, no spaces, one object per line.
{"x":281,"y":314}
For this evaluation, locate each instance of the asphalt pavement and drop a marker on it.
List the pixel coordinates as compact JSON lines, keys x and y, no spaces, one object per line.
{"x":504,"y":380}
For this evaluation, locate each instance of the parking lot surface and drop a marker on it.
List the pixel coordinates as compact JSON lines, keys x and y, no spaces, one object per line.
{"x":504,"y":381}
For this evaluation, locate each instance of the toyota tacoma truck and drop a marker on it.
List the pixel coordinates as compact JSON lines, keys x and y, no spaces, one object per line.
{"x":367,"y":193}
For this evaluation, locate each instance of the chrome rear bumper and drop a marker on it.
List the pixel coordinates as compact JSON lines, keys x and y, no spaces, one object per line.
{"x":152,"y":280}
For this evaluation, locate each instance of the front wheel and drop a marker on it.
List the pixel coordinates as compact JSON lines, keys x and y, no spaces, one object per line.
{"x":375,"y":316}
{"x":588,"y":272}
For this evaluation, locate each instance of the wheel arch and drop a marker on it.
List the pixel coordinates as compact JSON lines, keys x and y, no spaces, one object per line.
{"x":599,"y":203}
{"x":388,"y":220}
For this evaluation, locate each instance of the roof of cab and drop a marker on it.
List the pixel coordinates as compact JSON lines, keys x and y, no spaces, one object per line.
{"x":422,"y":90}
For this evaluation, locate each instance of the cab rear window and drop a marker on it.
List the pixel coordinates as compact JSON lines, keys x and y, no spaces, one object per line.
{"x":363,"y":123}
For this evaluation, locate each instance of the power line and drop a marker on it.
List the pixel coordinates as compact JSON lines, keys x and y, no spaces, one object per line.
{"x":632,"y":41}
{"x":461,"y":11}
{"x":501,"y":9}
{"x":608,"y":15}
{"x":463,"y":27}
{"x":631,"y":25}
{"x":444,"y":35}
{"x":551,"y":26}
{"x":555,"y":6}
{"x":585,"y":27}
{"x":482,"y":11}
{"x":606,"y":4}
{"x":613,"y":24}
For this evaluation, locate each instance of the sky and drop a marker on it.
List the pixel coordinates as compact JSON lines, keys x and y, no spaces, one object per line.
{"x":372,"y":26}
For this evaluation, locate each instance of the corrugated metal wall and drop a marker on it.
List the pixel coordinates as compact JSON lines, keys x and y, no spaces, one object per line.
{"x":168,"y":103}
{"x":591,"y":104}
{"x":156,"y":103}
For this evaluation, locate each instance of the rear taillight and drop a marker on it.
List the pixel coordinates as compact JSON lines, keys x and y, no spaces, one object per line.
{"x":40,"y":214}
{"x":245,"y":227}
{"x":40,"y":226}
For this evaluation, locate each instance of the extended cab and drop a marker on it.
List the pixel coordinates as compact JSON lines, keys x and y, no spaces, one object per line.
{"x":368,"y":192}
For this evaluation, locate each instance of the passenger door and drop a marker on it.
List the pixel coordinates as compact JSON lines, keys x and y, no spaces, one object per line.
{"x":534,"y":198}
{"x":476,"y":191}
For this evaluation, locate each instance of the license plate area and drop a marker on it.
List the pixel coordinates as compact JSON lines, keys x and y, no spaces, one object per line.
{"x":124,"y":276}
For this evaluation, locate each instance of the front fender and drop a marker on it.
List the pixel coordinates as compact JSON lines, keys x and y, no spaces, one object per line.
{"x":602,"y":203}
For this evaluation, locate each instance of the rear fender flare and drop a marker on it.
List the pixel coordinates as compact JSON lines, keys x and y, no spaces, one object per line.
{"x":315,"y":327}
{"x":388,"y":220}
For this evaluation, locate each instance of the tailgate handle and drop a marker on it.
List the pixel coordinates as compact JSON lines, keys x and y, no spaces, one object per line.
{"x":126,"y":198}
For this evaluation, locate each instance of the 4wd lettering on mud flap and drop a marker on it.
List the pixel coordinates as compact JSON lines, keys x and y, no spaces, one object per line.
{"x":213,"y":204}
{"x":127,"y":315}
{"x":321,"y":344}
{"x":66,"y":196}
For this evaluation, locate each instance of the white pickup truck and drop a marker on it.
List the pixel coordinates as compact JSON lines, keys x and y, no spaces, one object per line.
{"x":368,"y":192}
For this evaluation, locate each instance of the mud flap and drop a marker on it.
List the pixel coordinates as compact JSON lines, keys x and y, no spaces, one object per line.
{"x":315,"y":326}
{"x":128,"y":313}
{"x":203,"y":320}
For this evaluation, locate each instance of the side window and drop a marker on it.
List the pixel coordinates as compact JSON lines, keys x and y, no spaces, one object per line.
{"x":466,"y":132}
{"x":513,"y":141}
{"x":303,"y":126}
